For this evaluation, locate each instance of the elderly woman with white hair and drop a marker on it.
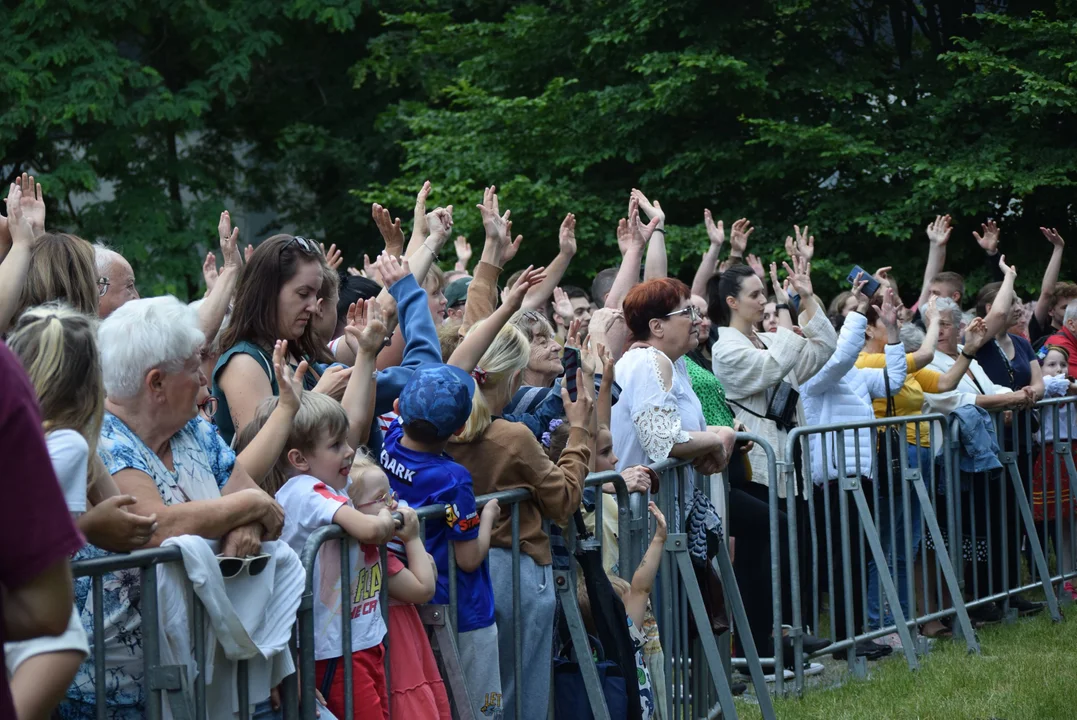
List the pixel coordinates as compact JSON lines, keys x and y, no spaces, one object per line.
{"x":174,"y":464}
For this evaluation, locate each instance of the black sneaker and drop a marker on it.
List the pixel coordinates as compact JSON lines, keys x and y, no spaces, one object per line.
{"x":812,"y":645}
{"x":988,"y":614}
{"x":867,"y":649}
{"x":1026,"y":607}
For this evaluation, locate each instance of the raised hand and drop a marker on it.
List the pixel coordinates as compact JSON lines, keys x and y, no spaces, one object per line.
{"x":1053,"y":237}
{"x":562,"y":306}
{"x":579,"y":412}
{"x":334,"y":258}
{"x":888,"y":311}
{"x":883,"y":274}
{"x":781,"y":297}
{"x":389,"y":229}
{"x":391,"y":269}
{"x":738,"y":237}
{"x":989,"y":239}
{"x":419,"y":229}
{"x":531,"y":277}
{"x":641,"y":234}
{"x":247,"y":253}
{"x":652,"y":210}
{"x":498,"y":227}
{"x":624,"y":236}
{"x":862,"y":300}
{"x":804,"y":244}
{"x":22,"y":232}
{"x":930,"y":312}
{"x":715,"y":232}
{"x":800,"y":276}
{"x":439,"y":221}
{"x":366,"y":326}
{"x":371,"y":271}
{"x":660,"y":530}
{"x":229,"y":239}
{"x":33,"y":203}
{"x":463,"y":252}
{"x":566,"y":237}
{"x":209,"y":271}
{"x":1006,"y":269}
{"x":938,"y":232}
{"x":757,"y":267}
{"x":290,"y":383}
{"x":975,"y":335}
{"x":356,"y":272}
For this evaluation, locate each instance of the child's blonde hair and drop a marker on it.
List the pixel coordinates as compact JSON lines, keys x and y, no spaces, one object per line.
{"x":506,"y":356}
{"x":620,"y":586}
{"x":58,"y":349}
{"x":319,"y":417}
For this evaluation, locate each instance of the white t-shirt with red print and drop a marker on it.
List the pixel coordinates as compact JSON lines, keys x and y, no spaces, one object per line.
{"x":310,"y":504}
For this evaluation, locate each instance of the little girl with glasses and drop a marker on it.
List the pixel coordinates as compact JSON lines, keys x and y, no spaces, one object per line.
{"x":417,"y":690}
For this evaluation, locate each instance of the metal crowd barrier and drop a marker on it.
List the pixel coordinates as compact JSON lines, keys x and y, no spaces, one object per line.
{"x":940,"y":584}
{"x":161,"y":683}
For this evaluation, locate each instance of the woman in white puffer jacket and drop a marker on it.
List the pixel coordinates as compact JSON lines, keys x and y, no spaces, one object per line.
{"x":841,"y":393}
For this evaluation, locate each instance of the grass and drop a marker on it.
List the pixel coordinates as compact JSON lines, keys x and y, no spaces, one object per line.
{"x":1027,"y":671}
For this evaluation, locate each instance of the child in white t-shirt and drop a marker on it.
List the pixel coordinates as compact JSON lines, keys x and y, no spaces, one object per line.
{"x":317,"y":461}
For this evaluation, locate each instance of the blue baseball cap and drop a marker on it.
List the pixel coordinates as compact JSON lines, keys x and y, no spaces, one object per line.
{"x":439,"y":394}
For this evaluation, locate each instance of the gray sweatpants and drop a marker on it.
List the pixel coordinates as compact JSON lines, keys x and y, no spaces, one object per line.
{"x":481,"y":672}
{"x":537,"y":604}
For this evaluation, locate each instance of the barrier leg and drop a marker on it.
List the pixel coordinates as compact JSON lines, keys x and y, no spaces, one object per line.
{"x":677,"y":548}
{"x":1010,"y":461}
{"x":740,"y":618}
{"x":567,"y":592}
{"x":443,"y":643}
{"x":943,"y":559}
{"x":885,"y":579}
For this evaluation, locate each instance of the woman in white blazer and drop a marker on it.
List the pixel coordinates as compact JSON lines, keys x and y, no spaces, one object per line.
{"x":751,"y":366}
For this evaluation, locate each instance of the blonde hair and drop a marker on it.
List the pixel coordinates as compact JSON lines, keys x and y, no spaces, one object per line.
{"x":506,"y":356}
{"x":319,"y":417}
{"x":62,"y":267}
{"x":58,"y":348}
{"x":620,"y":586}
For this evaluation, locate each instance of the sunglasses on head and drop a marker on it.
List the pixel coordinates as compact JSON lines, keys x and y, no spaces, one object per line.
{"x":232,"y":566}
{"x":308,"y":247}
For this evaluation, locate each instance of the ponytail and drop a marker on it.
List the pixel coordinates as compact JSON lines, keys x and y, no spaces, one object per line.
{"x":725,"y":285}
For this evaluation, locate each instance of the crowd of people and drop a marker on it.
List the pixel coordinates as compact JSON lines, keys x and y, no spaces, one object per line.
{"x":299,"y":394}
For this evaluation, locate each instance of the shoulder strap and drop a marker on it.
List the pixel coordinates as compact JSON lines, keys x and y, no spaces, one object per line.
{"x":891,"y":409}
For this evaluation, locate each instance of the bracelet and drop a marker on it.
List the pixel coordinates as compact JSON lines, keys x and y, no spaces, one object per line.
{"x":966,"y":355}
{"x":781,"y":306}
{"x":431,"y":251}
{"x":660,"y":230}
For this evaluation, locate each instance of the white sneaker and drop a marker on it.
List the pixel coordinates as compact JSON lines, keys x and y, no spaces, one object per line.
{"x":893,"y":640}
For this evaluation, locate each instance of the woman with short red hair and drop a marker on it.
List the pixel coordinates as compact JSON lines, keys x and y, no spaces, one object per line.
{"x":658,"y":415}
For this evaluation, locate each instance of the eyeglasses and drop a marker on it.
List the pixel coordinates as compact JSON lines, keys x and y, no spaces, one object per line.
{"x":232,"y":566}
{"x":102,"y":286}
{"x":691,"y":311}
{"x":208,"y":406}
{"x":386,"y":500}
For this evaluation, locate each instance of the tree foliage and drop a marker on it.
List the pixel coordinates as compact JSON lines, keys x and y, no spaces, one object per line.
{"x":861,"y":118}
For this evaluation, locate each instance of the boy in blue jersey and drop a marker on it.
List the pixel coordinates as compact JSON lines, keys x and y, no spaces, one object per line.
{"x":434,"y":406}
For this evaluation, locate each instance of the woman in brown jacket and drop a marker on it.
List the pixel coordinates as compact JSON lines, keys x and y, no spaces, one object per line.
{"x":503,"y":455}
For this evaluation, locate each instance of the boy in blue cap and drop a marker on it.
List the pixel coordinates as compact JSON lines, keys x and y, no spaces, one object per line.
{"x":433,"y":406}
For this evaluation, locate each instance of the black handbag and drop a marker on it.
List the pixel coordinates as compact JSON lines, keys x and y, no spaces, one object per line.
{"x":891,"y":436}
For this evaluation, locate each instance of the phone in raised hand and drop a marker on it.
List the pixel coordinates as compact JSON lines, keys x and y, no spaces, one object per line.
{"x":570,"y":361}
{"x":873,"y":285}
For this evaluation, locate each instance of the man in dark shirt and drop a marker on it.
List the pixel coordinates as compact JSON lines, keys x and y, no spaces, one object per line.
{"x":37,"y":535}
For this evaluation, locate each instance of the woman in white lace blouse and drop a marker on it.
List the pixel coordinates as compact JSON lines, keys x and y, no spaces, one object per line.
{"x":658,"y":415}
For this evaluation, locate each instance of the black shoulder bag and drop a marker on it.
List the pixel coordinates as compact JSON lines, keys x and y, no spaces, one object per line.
{"x":892,"y":437}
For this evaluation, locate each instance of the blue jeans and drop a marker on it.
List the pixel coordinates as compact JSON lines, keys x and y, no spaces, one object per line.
{"x":894,"y":548}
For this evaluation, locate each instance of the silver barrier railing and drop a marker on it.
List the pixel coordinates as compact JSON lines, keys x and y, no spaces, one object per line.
{"x":161,"y":683}
{"x":1058,"y":418}
{"x":678,"y":598}
{"x":898,"y":489}
{"x":442,"y":620}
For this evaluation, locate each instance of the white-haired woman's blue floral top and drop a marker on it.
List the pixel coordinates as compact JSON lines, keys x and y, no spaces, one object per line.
{"x":202,"y":463}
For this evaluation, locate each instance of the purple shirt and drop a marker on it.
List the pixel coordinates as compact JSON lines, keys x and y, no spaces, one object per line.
{"x":37,"y":531}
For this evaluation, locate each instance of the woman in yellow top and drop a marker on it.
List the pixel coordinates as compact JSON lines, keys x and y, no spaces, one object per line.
{"x":908,"y":402}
